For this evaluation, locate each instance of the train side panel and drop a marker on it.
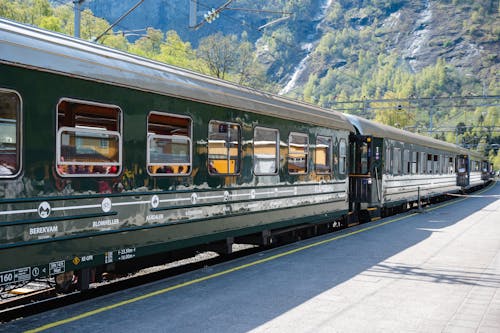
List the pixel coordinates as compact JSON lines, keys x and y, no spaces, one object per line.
{"x":56,"y":219}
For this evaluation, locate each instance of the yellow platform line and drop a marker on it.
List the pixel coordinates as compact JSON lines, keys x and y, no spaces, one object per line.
{"x":228,"y":271}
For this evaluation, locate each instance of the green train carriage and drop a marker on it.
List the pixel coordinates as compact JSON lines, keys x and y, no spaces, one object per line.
{"x":394,"y":169}
{"x":107,"y":158}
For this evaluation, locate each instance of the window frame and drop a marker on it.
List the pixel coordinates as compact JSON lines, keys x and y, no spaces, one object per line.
{"x":429,"y":166}
{"x":435,"y":164}
{"x":396,"y":161}
{"x":75,"y":129}
{"x":342,"y":166}
{"x":149,"y":137}
{"x":277,"y":155}
{"x":19,"y":134}
{"x":329,"y":156}
{"x":406,"y":168}
{"x":307,"y":152}
{"x":451,"y":165}
{"x":388,"y":159}
{"x":414,"y":162}
{"x":239,"y":165}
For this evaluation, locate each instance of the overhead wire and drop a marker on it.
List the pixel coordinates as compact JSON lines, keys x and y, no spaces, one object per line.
{"x":202,"y":5}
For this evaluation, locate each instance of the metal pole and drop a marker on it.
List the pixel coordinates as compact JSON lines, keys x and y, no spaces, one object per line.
{"x":77,"y":9}
{"x":430,"y":117}
{"x":192,"y":12}
{"x":419,"y":203}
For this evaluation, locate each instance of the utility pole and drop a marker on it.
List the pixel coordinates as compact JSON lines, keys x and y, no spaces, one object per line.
{"x":78,"y":10}
{"x":192,"y":12}
{"x":431,"y":115}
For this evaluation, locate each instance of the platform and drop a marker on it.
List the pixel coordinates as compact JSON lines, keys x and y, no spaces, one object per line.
{"x":434,"y":271}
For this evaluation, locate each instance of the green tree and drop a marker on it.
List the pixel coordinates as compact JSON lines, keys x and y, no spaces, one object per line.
{"x":148,"y":46}
{"x":176,"y":52}
{"x":218,"y":53}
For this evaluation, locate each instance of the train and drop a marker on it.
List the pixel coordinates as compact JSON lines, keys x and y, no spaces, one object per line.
{"x":111,"y":161}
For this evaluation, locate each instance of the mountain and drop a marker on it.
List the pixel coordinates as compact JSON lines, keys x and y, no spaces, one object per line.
{"x":304,"y":47}
{"x":241,"y":17}
{"x":429,"y":65}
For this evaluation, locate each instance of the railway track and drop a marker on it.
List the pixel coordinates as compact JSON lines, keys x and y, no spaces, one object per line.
{"x":48,"y":299}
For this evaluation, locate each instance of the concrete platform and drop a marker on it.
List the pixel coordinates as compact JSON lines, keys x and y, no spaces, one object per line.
{"x":437,"y":271}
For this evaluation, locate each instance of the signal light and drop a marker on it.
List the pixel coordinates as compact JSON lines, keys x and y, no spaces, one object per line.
{"x":211,"y":15}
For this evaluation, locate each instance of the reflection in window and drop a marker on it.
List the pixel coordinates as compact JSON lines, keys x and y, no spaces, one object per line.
{"x":451,"y":165}
{"x":88,"y":139}
{"x":298,"y":150}
{"x":406,"y":161}
{"x":169,"y":144}
{"x":429,"y":163}
{"x":422,"y":163}
{"x":323,"y":154}
{"x":265,"y":151}
{"x":461,"y":164}
{"x":363,"y":155}
{"x":223,"y":147}
{"x":436,"y":164}
{"x":396,"y":161}
{"x":342,"y":156}
{"x":10,"y":109}
{"x":414,"y":162}
{"x":388,"y":159}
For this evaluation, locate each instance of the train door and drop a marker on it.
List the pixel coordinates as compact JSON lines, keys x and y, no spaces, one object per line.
{"x":485,"y":170}
{"x":462,"y":170}
{"x":365,"y":177}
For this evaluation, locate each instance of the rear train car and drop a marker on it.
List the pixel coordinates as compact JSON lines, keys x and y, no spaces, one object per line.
{"x":107,"y":158}
{"x":392,"y":169}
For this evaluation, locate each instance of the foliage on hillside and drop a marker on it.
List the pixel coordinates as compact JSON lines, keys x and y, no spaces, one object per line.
{"x":359,"y":56}
{"x":230,"y":57}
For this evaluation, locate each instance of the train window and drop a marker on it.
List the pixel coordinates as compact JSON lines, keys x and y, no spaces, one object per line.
{"x":429,"y":163}
{"x":414,"y":162}
{"x":461,"y":163}
{"x":10,"y":136}
{"x":89,"y":141}
{"x":388,"y":160}
{"x":323,"y":155}
{"x":406,"y":162}
{"x":298,"y":151}
{"x":436,"y":164}
{"x":169,"y":144}
{"x":451,"y":165}
{"x":223,"y":147}
{"x":396,"y":161}
{"x":342,"y":156}
{"x":423,"y":159}
{"x":485,"y":166}
{"x":265,"y":151}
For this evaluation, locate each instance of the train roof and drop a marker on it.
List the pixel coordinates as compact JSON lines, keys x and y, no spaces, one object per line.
{"x":31,"y":47}
{"x":369,"y":127}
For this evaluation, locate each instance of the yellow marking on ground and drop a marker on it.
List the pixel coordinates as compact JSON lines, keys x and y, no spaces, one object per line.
{"x":231,"y":270}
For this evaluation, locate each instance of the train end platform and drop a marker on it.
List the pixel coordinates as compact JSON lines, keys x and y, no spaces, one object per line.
{"x":433,"y":271}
